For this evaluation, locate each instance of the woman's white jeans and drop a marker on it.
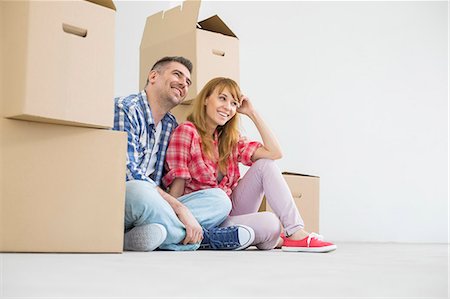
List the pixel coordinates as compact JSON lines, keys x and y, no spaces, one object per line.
{"x":264,"y":178}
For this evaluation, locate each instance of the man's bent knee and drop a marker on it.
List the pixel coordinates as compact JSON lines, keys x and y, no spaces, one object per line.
{"x":141,"y":198}
{"x":140,"y":191}
{"x":220,"y":200}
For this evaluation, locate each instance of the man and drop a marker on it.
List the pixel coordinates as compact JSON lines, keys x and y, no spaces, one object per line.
{"x":153,"y":218}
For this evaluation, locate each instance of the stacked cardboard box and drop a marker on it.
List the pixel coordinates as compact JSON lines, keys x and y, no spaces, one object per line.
{"x":62,"y":174}
{"x":305,"y":190}
{"x":59,"y":61}
{"x":211,"y":46}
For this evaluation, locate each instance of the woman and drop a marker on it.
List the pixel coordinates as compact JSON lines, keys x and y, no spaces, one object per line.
{"x":204,"y":152}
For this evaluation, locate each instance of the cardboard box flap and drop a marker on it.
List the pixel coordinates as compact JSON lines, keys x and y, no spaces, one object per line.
{"x":105,"y":3}
{"x":215,"y":24}
{"x":299,"y":174}
{"x":168,"y":24}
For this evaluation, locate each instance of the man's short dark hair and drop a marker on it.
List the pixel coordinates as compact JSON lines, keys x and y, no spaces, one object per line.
{"x":165,"y":60}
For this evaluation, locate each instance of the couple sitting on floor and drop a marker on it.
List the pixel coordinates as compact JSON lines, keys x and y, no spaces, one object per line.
{"x":184,"y":190}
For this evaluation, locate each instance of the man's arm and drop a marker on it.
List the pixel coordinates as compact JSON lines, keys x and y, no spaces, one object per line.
{"x":125,"y":121}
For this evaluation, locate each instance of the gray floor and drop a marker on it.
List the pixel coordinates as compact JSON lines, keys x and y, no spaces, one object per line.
{"x":359,"y":270}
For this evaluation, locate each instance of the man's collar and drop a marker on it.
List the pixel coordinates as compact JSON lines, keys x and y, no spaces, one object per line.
{"x":148,"y":109}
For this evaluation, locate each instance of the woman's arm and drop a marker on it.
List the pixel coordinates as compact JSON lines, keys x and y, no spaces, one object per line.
{"x":177,"y":187}
{"x":271,"y":148}
{"x":177,"y":157}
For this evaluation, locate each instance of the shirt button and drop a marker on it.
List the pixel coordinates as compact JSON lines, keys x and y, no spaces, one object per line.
{"x":120,"y":105}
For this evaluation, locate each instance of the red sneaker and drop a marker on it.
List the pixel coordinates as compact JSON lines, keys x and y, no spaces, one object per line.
{"x":313,"y":243}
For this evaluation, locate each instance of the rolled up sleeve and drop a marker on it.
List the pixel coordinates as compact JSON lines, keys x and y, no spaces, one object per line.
{"x":178,"y":155}
{"x":246,"y":149}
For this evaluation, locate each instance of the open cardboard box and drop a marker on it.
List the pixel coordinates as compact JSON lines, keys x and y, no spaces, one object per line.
{"x":58,"y":61}
{"x":305,"y":190}
{"x":211,"y":46}
{"x":62,"y":188}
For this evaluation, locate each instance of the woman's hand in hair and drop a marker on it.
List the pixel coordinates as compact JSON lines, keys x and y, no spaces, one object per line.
{"x":246,"y":106}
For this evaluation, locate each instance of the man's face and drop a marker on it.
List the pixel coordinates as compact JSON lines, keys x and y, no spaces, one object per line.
{"x":171,"y":82}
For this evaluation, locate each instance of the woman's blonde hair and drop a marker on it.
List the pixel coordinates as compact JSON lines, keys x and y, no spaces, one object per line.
{"x":228,"y":133}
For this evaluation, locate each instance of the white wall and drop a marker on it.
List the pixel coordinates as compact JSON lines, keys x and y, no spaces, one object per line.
{"x":356,"y":93}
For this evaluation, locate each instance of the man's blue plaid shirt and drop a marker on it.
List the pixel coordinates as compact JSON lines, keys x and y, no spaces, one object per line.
{"x":132,"y":114}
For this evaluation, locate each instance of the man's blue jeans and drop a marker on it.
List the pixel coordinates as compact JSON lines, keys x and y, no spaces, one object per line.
{"x":144,"y":205}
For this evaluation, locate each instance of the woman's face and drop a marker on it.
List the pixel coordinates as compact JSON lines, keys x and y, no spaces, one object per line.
{"x":220,"y":108}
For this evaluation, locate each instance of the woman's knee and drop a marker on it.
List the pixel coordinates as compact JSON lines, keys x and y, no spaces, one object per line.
{"x":272,"y":224}
{"x":272,"y":230}
{"x":264,"y":164}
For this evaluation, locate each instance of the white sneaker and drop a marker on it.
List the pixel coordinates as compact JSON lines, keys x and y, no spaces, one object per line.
{"x":246,"y":236}
{"x":145,"y":238}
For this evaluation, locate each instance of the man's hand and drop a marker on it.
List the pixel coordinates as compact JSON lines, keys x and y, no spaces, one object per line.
{"x":194,"y":232}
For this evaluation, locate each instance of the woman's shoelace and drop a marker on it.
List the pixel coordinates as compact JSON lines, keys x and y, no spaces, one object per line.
{"x":314,"y":236}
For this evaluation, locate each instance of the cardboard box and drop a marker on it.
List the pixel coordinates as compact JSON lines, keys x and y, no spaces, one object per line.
{"x":2,"y":68}
{"x":211,"y":46}
{"x":62,"y":188}
{"x":181,"y":112}
{"x":59,"y":57}
{"x":306,"y":192}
